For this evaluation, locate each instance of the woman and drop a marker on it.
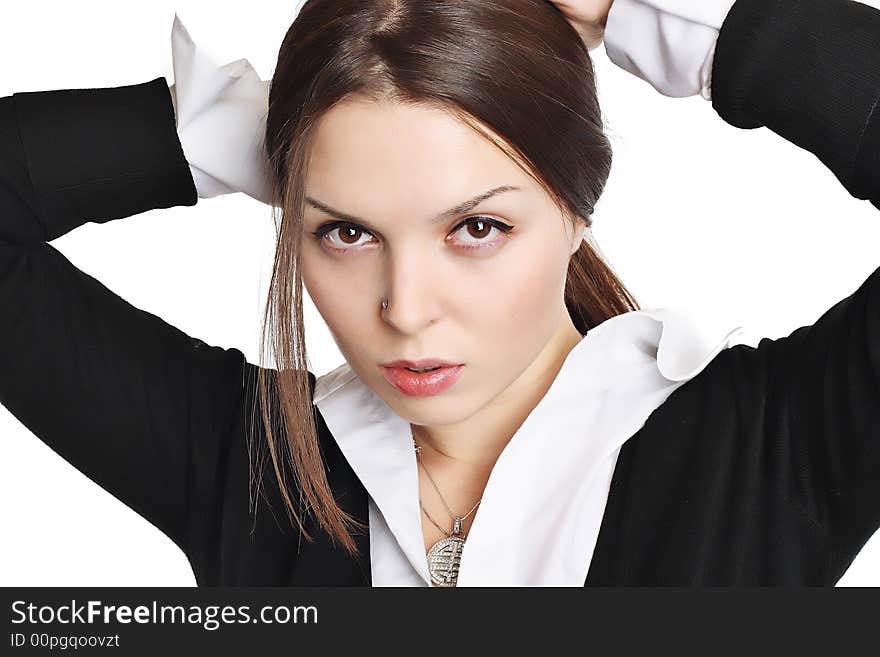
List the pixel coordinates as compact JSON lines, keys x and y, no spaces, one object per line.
{"x":594,"y":441}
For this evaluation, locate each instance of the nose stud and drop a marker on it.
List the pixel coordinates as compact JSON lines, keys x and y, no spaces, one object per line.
{"x":384,"y":304}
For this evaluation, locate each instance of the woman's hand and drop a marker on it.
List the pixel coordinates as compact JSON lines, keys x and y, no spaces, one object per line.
{"x":588,"y":17}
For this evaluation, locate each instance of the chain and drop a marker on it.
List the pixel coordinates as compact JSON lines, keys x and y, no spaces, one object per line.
{"x":434,"y":484}
{"x":432,"y":520}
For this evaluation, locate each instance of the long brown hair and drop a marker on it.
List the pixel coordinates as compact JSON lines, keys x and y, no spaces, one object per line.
{"x":516,"y":66}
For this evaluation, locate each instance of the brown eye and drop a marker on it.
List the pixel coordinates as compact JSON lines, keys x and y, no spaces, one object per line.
{"x":479,"y":229}
{"x":350,"y":234}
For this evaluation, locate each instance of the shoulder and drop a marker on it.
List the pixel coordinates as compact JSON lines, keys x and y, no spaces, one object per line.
{"x":721,"y":410}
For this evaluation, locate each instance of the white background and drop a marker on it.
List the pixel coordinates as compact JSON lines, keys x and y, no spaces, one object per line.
{"x":738,"y":226}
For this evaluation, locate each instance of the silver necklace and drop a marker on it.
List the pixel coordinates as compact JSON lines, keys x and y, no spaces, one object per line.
{"x":444,"y":557}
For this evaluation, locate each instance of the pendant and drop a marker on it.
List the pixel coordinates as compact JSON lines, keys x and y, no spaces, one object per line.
{"x":444,"y":559}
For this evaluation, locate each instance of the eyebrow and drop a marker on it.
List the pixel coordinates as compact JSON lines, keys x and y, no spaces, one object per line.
{"x":461,"y":208}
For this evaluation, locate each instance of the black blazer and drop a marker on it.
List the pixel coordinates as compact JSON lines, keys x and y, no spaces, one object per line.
{"x":762,"y":470}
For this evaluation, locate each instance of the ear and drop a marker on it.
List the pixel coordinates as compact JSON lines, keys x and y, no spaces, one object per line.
{"x":578,"y":235}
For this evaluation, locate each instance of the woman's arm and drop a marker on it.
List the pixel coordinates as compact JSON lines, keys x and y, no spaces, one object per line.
{"x":129,"y":400}
{"x":805,"y":69}
{"x":809,"y":70}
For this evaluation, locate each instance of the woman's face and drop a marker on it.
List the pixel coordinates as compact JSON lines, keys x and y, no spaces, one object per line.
{"x":481,"y":285}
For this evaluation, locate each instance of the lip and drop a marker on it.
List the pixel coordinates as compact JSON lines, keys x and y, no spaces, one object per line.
{"x":419,"y":364}
{"x":424,"y":384}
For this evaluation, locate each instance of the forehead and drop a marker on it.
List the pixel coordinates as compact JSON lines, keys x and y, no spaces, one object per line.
{"x":373,"y":153}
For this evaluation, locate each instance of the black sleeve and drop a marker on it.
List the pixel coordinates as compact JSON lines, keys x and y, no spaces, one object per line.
{"x":126,"y":398}
{"x":809,"y":70}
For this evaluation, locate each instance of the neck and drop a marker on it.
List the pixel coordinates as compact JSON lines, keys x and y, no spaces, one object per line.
{"x":475,"y":445}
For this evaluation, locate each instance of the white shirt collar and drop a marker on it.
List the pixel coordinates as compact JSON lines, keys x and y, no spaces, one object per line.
{"x":543,"y":504}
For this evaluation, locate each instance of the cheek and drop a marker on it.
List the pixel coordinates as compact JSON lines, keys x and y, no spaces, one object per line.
{"x":525,"y":297}
{"x":337,"y":298}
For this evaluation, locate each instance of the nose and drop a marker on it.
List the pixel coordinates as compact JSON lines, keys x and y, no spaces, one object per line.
{"x":412,"y":290}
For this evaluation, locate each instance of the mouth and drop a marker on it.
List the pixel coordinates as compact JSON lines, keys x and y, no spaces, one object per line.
{"x":421,"y":364}
{"x":421,"y":378}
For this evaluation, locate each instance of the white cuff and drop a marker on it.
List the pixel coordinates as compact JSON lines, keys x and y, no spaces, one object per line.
{"x":221,"y":120}
{"x":668,"y":43}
